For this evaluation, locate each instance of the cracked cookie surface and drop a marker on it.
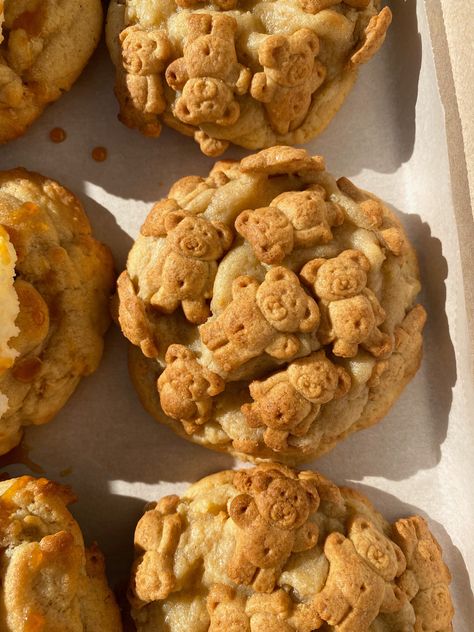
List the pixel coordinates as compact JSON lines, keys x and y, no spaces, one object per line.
{"x":63,"y":280}
{"x":50,"y":581}
{"x":248,"y":72}
{"x":269,"y":549}
{"x":44,"y":46}
{"x":271,"y":308}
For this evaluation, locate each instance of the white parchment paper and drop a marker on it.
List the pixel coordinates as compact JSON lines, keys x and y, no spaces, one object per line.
{"x":390,"y":139}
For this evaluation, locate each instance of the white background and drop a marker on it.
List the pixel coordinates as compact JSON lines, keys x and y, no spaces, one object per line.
{"x":389,"y":138}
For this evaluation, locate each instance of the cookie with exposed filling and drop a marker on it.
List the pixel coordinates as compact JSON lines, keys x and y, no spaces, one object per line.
{"x":271,"y":549}
{"x":44,"y":46}
{"x":63,"y":280}
{"x":272,"y":308}
{"x":50,"y":581}
{"x":226,"y":71}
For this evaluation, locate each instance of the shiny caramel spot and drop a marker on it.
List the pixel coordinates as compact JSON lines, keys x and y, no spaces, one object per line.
{"x":7,"y":497}
{"x":99,"y":154}
{"x":35,"y":622}
{"x":20,"y":455}
{"x":5,"y":363}
{"x":27,"y":370}
{"x":57,"y":135}
{"x":31,"y":21}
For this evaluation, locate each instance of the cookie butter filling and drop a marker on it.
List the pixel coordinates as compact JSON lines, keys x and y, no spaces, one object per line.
{"x":9,"y":308}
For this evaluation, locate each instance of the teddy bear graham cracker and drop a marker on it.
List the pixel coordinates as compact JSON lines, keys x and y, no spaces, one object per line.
{"x":273,"y":550}
{"x":271,"y":308}
{"x":226,"y":72}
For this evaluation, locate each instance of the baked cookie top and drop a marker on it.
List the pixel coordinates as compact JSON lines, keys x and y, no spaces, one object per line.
{"x":10,"y":308}
{"x":272,"y":308}
{"x":50,"y":582}
{"x":44,"y":45}
{"x":273,"y":550}
{"x":250,"y":72}
{"x":63,"y":279}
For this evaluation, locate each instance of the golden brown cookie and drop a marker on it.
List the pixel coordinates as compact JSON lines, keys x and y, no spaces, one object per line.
{"x":44,"y":45}
{"x":63,"y":282}
{"x":272,"y":308}
{"x":226,"y":71}
{"x":50,"y":582}
{"x":274,"y":550}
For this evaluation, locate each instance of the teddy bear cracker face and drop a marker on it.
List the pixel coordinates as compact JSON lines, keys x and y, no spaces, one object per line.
{"x":343,"y":276}
{"x":195,"y":237}
{"x":292,"y":65}
{"x":381,"y":555}
{"x":285,"y":305}
{"x":143,"y":52}
{"x":206,"y":99}
{"x":285,"y":503}
{"x":316,"y":382}
{"x":268,"y":230}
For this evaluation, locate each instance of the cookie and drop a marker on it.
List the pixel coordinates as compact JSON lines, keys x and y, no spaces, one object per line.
{"x":271,"y":308}
{"x":50,"y":582}
{"x":10,"y":308}
{"x":44,"y":46}
{"x":270,"y":549}
{"x":225,"y":71}
{"x":63,"y":280}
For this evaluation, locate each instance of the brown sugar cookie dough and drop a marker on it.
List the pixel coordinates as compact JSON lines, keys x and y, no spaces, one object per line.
{"x":44,"y":45}
{"x":253,"y":73}
{"x":273,"y":550}
{"x":49,"y":581}
{"x":63,"y":281}
{"x":272,"y":308}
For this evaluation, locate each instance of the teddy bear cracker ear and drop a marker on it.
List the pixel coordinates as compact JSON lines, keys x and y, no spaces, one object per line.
{"x":306,"y":37}
{"x":242,"y":220}
{"x":279,"y":273}
{"x":274,"y":51}
{"x":177,"y":352}
{"x":309,"y":271}
{"x":358,"y":257}
{"x":226,"y":236}
{"x":311,"y":488}
{"x":231,"y":114}
{"x":243,"y":284}
{"x":344,"y":382}
{"x":173,"y":219}
{"x":243,"y":510}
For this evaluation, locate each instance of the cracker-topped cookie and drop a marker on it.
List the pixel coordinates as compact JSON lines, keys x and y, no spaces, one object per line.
{"x":273,"y":550}
{"x":255,"y":74}
{"x":271,"y":308}
{"x":50,"y":582}
{"x":56,"y":312}
{"x":44,"y":45}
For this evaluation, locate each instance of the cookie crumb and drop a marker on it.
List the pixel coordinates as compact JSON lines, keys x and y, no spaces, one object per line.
{"x":99,"y":154}
{"x":57,"y":135}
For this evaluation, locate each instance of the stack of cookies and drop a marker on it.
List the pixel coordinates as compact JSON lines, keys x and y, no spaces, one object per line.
{"x":270,"y":310}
